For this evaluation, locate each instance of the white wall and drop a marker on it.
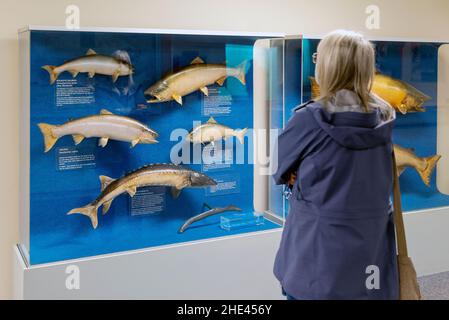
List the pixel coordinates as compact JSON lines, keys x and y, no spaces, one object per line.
{"x":399,"y":18}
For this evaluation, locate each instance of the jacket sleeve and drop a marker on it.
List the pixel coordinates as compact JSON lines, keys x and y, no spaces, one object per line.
{"x":294,"y":143}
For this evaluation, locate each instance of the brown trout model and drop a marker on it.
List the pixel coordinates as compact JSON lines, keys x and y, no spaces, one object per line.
{"x":104,"y":126}
{"x":424,"y":166}
{"x":168,"y":175}
{"x":197,"y":76}
{"x":399,"y":94}
{"x":92,"y":63}
{"x":212,"y":131}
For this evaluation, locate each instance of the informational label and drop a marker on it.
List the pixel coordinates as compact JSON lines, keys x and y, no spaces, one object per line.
{"x":218,"y":102}
{"x":147,"y":200}
{"x":73,"y":158}
{"x":226,"y":184}
{"x":217,"y":157}
{"x":70,"y":92}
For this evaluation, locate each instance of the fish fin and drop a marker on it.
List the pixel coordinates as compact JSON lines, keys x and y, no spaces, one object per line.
{"x":51,"y":72}
{"x":175,"y":192}
{"x":105,"y":181}
{"x":177,"y":98}
{"x":104,"y":112}
{"x":402,"y":108}
{"x":102,"y":142}
{"x":427,"y":172}
{"x":240,"y":135}
{"x":212,"y":120}
{"x":49,"y":138}
{"x":89,"y":211}
{"x":106,"y":206}
{"x":77,"y":138}
{"x":131,"y":191}
{"x":197,"y":60}
{"x":242,"y":72}
{"x":115,"y":76}
{"x":221,"y":81}
{"x":205,"y":91}
{"x":315,"y":88}
{"x":122,"y":56}
{"x":91,"y":74}
{"x":90,"y":52}
{"x":134,"y":142}
{"x":74,"y":73}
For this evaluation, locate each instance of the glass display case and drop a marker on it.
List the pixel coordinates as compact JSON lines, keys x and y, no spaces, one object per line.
{"x":134,"y":140}
{"x":408,"y":75}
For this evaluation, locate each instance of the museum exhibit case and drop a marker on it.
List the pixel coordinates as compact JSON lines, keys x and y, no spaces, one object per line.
{"x":128,"y":136}
{"x":408,"y":76}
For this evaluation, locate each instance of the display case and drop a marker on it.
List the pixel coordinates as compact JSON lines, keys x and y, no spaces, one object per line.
{"x":145,"y":139}
{"x":412,"y":77}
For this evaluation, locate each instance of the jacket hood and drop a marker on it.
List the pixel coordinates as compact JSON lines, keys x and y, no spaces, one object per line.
{"x":344,"y":120}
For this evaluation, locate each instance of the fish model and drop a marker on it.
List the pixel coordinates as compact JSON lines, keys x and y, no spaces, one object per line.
{"x":92,"y":63}
{"x":105,"y":126}
{"x":212,"y":131}
{"x":197,"y":76}
{"x":407,"y":158}
{"x":206,"y":214}
{"x":399,"y":94}
{"x":168,"y":175}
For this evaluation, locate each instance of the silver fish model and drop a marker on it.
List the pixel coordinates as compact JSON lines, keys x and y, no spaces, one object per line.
{"x":212,"y":131}
{"x":206,"y":214}
{"x":424,"y":166}
{"x":105,"y":126}
{"x":92,"y":63}
{"x":168,"y":175}
{"x":197,"y":76}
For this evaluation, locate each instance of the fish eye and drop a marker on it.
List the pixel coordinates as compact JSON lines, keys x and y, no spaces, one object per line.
{"x":196,"y":174}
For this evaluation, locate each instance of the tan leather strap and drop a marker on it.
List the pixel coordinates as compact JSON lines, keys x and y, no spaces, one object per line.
{"x":398,"y":220}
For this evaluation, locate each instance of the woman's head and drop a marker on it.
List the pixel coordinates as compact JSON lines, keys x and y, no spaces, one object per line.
{"x":345,"y":60}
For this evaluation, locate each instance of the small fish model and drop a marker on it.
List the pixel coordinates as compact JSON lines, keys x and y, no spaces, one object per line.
{"x":399,"y":94}
{"x":105,"y":126}
{"x":212,"y":131}
{"x":197,"y":76}
{"x":407,"y":158}
{"x":206,"y":214}
{"x":92,"y":63}
{"x":168,"y":175}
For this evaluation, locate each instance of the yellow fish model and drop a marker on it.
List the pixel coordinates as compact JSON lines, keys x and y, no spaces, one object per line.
{"x":197,"y":76}
{"x":407,"y":158}
{"x":399,"y":94}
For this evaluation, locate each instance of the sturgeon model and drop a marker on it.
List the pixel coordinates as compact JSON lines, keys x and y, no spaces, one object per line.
{"x":407,"y":158}
{"x":105,"y":126}
{"x":206,"y":214}
{"x":212,"y":131}
{"x":168,"y":175}
{"x":92,"y":63}
{"x":197,"y":76}
{"x":399,"y":94}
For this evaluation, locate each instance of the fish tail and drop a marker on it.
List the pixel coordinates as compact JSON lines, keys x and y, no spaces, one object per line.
{"x":430,"y":166}
{"x":90,"y":211}
{"x":49,"y":137}
{"x":51,"y":71}
{"x":240,"y":135}
{"x":241,"y":72}
{"x":315,"y":88}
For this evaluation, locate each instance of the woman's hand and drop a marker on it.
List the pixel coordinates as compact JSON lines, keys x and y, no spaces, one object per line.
{"x":292,"y":179}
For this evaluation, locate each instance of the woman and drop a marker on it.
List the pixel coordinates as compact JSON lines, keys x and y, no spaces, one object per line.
{"x":338,"y":241}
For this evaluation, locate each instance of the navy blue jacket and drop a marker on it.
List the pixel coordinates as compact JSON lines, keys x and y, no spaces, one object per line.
{"x":340,"y":223}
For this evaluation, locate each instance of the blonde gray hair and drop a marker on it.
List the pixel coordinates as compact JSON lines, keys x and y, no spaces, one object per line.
{"x":345,"y":60}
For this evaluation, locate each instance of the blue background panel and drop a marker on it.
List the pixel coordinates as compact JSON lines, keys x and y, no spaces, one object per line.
{"x":54,"y":236}
{"x":417,"y":64}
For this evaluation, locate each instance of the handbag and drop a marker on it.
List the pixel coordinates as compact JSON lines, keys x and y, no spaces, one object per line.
{"x":408,"y":280}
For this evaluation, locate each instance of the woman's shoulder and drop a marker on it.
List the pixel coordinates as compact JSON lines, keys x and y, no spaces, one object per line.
{"x":304,"y":113}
